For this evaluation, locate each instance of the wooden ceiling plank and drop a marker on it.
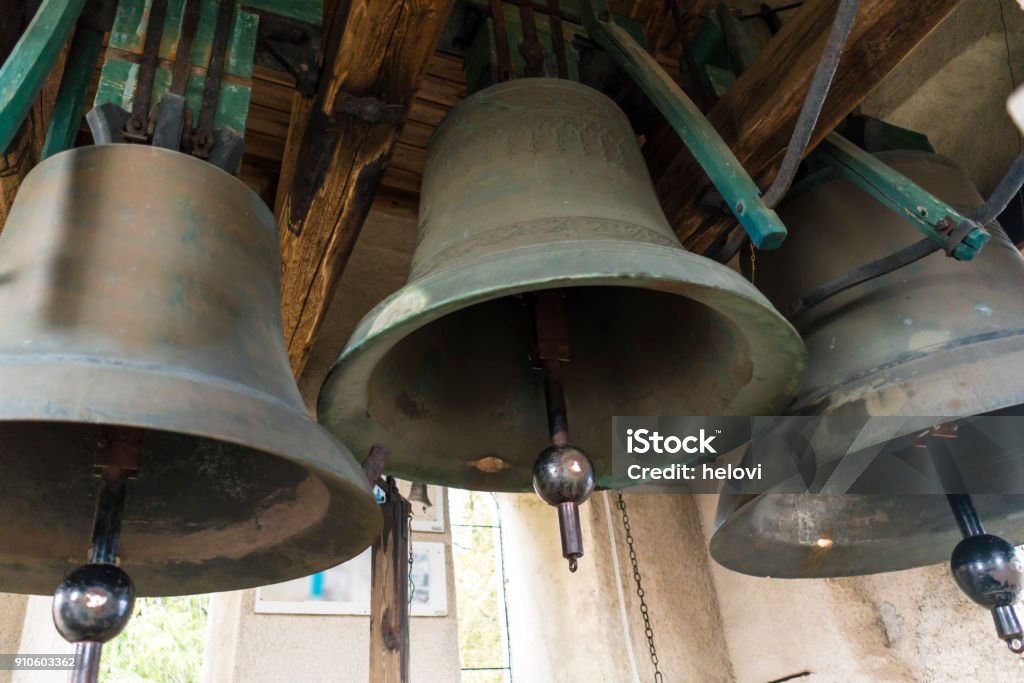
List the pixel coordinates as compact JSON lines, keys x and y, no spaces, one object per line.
{"x":378,"y":49}
{"x":756,"y":116}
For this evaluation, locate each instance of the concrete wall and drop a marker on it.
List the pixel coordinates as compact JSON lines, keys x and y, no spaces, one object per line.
{"x":12,"y":616}
{"x":573,"y":627}
{"x":903,"y":626}
{"x":954,"y":86}
{"x":37,"y":636}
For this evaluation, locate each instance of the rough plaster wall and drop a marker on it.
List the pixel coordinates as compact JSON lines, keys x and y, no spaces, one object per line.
{"x":954,"y":86}
{"x":223,"y":627}
{"x":903,"y":626}
{"x":12,"y":617}
{"x":568,"y":627}
{"x":243,"y":646}
{"x":936,"y":632}
{"x":378,"y":266}
{"x":38,"y":636}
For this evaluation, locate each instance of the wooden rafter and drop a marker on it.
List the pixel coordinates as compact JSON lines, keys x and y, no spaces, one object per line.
{"x":339,"y":145}
{"x":756,"y":116}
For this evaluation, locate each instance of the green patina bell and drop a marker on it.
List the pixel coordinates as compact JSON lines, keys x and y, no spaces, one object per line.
{"x":534,"y":185}
{"x":139,"y":293}
{"x":937,"y":338}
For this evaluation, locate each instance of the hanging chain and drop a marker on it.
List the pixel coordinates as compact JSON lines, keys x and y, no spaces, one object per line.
{"x":753,"y":262}
{"x":648,"y":631}
{"x":408,"y":535}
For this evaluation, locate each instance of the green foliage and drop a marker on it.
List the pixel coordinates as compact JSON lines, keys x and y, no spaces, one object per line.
{"x":480,"y":594}
{"x":163,"y":642}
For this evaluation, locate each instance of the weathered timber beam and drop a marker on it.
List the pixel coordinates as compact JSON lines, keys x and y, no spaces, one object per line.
{"x":756,"y":116}
{"x":389,"y":593}
{"x":339,"y":145}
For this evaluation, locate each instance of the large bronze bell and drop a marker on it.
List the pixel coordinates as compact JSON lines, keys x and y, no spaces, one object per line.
{"x":537,"y":185}
{"x":937,"y":338}
{"x":139,"y":290}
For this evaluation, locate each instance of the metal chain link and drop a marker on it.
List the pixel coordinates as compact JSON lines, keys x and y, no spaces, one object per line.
{"x":620,"y":503}
{"x":408,"y":535}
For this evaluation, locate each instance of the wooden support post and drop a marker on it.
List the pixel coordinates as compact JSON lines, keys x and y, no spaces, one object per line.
{"x":389,"y":593}
{"x":757,"y":114}
{"x":339,"y":145}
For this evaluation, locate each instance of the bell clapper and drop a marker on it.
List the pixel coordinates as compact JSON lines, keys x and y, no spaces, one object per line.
{"x":94,"y":602}
{"x":563,"y":475}
{"x":987,"y":568}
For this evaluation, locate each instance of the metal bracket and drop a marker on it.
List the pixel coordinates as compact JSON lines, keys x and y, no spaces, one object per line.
{"x":943,"y":430}
{"x":741,"y":194}
{"x":960,"y":236}
{"x":106,"y":123}
{"x":369,"y":109}
{"x":290,"y":45}
{"x":376,"y":461}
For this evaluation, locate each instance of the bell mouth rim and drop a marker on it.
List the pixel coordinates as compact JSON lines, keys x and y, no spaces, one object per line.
{"x":610,"y":262}
{"x":737,"y":546}
{"x":207,"y":410}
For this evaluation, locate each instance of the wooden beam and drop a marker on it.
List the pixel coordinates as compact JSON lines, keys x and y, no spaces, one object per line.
{"x":389,"y":593}
{"x":339,"y":145}
{"x":756,"y":116}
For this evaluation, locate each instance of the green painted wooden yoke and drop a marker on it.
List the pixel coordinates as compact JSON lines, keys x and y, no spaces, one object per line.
{"x":30,"y":62}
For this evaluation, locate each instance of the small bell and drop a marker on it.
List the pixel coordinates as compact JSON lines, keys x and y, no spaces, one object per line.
{"x":418,"y":494}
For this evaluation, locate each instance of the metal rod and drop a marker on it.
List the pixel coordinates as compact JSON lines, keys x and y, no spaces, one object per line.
{"x":88,"y":656}
{"x":911,"y":254}
{"x":767,"y":10}
{"x":552,"y":340}
{"x":966,"y":514}
{"x":530,"y":48}
{"x":770,"y":16}
{"x":558,"y":39}
{"x":203,"y":141}
{"x":551,"y":9}
{"x":571,"y":532}
{"x":505,"y":70}
{"x":183,"y":54}
{"x":106,"y":530}
{"x":936,"y":442}
{"x":554,"y":395}
{"x":117,"y":460}
{"x":815,"y":100}
{"x":138,"y":124}
{"x":1000,"y":198}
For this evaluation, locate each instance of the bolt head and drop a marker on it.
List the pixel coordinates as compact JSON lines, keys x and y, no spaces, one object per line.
{"x":93,"y":603}
{"x":563,"y":474}
{"x":989,"y":570}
